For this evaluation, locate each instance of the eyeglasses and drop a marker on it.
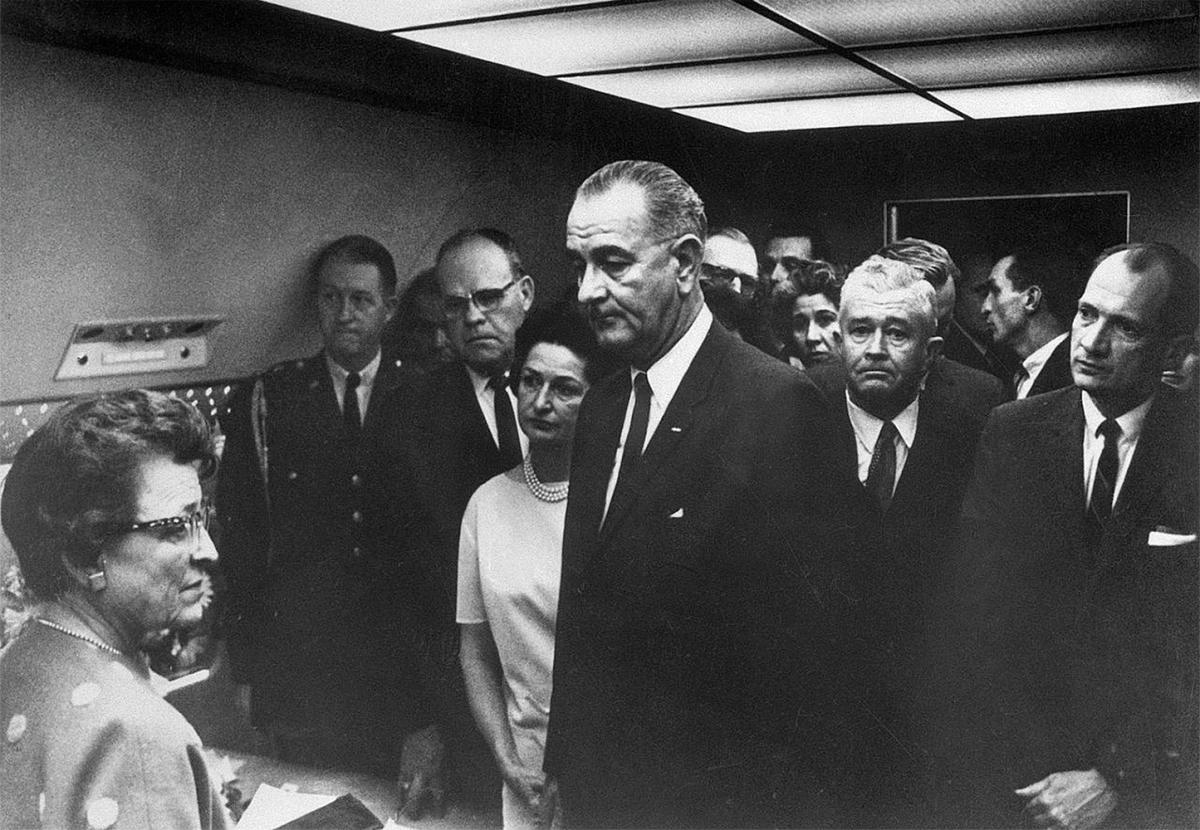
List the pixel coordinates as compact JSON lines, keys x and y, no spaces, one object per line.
{"x":563,"y":388}
{"x":719,"y":273}
{"x":194,"y":523}
{"x":486,"y":300}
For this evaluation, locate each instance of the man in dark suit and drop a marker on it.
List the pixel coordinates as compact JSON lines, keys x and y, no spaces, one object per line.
{"x":320,"y":606}
{"x":694,"y":676}
{"x":976,"y":386}
{"x":910,"y":449}
{"x":453,"y":429}
{"x":1080,"y":572}
{"x":1029,"y":301}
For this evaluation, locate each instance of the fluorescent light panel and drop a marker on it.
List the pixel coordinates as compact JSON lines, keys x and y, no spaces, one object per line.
{"x":899,"y":21}
{"x":384,"y":15}
{"x":1044,"y":56}
{"x":819,"y":113}
{"x":619,"y":37}
{"x":1091,"y":95}
{"x":803,"y":76}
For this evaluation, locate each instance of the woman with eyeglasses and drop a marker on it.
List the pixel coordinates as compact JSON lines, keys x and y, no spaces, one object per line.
{"x":104,"y":509}
{"x":510,"y":556}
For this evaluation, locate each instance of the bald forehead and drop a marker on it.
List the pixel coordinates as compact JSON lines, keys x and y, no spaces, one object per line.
{"x":474,"y":260}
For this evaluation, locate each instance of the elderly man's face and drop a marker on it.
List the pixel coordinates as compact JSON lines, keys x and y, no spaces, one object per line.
{"x":727,"y":259}
{"x":473,"y":277}
{"x":633,"y":284}
{"x":887,"y":347}
{"x":1117,"y":348}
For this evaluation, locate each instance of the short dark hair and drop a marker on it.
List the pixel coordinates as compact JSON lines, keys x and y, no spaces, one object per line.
{"x":672,"y":206}
{"x":497,"y":237}
{"x":1181,"y":309}
{"x":1053,"y":270}
{"x":798,"y":228}
{"x":359,"y":250}
{"x":74,"y":482}
{"x":931,"y":260}
{"x":807,"y":279}
{"x":562,"y":324}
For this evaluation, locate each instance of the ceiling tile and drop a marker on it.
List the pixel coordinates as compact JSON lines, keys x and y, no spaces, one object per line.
{"x":619,"y":37}
{"x":400,"y":14}
{"x":1093,"y":94}
{"x":801,"y":76}
{"x":818,"y":113}
{"x":1045,"y":56}
{"x":860,"y":23}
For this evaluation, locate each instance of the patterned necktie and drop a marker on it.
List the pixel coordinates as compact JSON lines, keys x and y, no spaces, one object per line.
{"x":506,"y":424}
{"x":351,"y":419}
{"x":881,"y":475}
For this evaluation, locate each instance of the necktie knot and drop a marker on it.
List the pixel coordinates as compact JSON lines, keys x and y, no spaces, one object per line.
{"x":498,"y":382}
{"x":1109,"y":430}
{"x":508,"y":441}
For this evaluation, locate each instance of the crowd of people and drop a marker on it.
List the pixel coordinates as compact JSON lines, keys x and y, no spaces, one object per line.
{"x":728,"y":538}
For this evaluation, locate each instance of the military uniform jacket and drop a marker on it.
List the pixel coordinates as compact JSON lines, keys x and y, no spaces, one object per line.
{"x":323,"y":609}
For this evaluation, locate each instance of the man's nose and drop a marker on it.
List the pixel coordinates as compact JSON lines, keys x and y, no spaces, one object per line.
{"x":346,"y":309}
{"x":1095,"y":338}
{"x":206,"y":551}
{"x":591,"y":285}
{"x":875,"y":343}
{"x":542,"y":401}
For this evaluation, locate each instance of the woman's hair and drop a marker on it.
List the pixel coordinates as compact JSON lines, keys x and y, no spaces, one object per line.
{"x":562,"y":324}
{"x":808,"y":278}
{"x":75,"y":480}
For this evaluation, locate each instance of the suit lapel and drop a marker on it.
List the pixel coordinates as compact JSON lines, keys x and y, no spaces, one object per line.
{"x":1057,"y":372}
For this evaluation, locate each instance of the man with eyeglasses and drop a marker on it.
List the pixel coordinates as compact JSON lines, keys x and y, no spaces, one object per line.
{"x":455,"y":428}
{"x":728,"y":278}
{"x":695,"y":670}
{"x":323,"y":622}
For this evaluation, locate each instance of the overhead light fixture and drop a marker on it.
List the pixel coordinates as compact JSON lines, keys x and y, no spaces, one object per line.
{"x":1088,"y":95}
{"x":820,"y":113}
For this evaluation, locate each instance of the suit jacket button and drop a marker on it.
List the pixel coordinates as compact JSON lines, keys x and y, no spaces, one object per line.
{"x":293,"y":475}
{"x":356,"y":480}
{"x":357,"y":516}
{"x":357,"y":552}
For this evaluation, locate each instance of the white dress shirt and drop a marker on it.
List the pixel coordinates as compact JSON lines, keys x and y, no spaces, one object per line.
{"x":664,"y":376}
{"x":366,"y":382}
{"x":1131,"y":424}
{"x":1034,"y":364}
{"x":486,"y":397}
{"x":866,"y":433}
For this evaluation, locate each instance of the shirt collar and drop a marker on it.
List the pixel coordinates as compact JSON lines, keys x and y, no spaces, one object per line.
{"x":479,"y":382}
{"x":366,"y":375}
{"x":667,"y":372}
{"x":867,"y":426}
{"x":1037,"y":360}
{"x":1131,"y":422}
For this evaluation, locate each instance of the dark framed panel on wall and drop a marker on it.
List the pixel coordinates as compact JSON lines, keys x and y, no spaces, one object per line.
{"x":992,"y":226}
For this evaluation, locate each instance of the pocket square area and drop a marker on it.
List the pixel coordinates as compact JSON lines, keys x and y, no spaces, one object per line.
{"x":1168,"y":539}
{"x":678,"y":514}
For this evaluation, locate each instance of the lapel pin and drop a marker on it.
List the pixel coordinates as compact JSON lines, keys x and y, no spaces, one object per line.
{"x":676,"y":429}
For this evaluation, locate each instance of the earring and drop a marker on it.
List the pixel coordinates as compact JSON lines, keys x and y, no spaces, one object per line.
{"x":98,"y":579}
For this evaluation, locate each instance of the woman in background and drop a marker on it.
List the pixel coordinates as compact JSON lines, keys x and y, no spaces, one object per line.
{"x":104,"y":509}
{"x":804,"y":312}
{"x":510,"y":557}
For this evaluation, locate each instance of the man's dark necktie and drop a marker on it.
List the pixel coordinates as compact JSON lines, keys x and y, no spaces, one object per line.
{"x":632,"y":455}
{"x":506,"y":424}
{"x":1019,"y":377}
{"x":1105,"y":484}
{"x":351,"y":419}
{"x":881,"y":475}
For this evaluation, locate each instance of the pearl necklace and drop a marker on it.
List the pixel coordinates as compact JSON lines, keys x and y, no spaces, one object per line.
{"x":100,"y":644}
{"x":540,"y":491}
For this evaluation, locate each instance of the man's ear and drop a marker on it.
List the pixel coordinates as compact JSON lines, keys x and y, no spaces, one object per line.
{"x":391,"y":304}
{"x":933,"y":348}
{"x":526,"y":289}
{"x":1033,"y":298}
{"x":688,"y":251}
